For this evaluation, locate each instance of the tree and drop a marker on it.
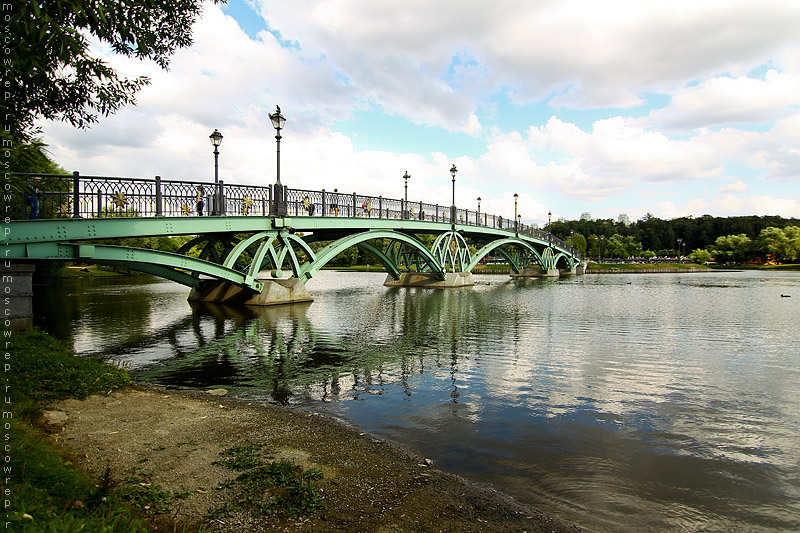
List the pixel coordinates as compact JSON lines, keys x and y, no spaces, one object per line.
{"x":782,"y":244}
{"x":793,"y":234}
{"x":700,"y":256}
{"x":774,"y":242}
{"x":732,"y":248}
{"x":579,"y":242}
{"x":53,"y":74}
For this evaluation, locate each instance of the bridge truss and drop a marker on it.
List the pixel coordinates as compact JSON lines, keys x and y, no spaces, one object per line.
{"x":253,"y":232}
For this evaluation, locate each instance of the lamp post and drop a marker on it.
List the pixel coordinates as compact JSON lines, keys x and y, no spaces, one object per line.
{"x":600,"y":250}
{"x":216,"y":140}
{"x":453,"y":172}
{"x":405,"y":205}
{"x":478,"y":216}
{"x":680,"y":254}
{"x":549,"y":214}
{"x":277,"y":122}
{"x":519,"y":222}
{"x":516,"y":223}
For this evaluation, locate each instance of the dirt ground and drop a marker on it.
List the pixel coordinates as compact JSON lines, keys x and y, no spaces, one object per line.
{"x":368,"y":485}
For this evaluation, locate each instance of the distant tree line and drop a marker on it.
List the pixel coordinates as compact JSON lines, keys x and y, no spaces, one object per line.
{"x":724,"y":239}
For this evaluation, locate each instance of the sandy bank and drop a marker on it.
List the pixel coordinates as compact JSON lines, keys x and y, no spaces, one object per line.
{"x":368,"y":485}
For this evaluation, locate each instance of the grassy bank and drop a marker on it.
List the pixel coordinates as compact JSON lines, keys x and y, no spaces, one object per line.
{"x":645,"y":266}
{"x":46,"y":490}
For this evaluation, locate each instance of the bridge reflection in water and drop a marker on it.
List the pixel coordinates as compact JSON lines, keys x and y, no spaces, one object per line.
{"x":262,"y":229}
{"x":288,"y":354}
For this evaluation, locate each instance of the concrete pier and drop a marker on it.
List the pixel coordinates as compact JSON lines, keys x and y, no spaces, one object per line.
{"x":275,"y":292}
{"x":18,"y":293}
{"x":537,"y":272}
{"x":428,"y":280}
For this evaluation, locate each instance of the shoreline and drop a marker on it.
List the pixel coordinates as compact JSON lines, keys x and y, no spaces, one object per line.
{"x":367,"y":485}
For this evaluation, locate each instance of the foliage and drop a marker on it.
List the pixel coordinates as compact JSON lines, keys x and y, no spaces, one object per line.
{"x":780,"y":243}
{"x":53,"y":73}
{"x":277,"y":487}
{"x":732,"y":248}
{"x":31,"y":156}
{"x":46,"y":369}
{"x":660,"y":236}
{"x":700,"y":256}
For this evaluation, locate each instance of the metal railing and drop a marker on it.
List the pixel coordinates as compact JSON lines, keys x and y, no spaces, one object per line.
{"x":77,"y":196}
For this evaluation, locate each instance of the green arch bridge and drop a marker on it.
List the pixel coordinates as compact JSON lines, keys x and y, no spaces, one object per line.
{"x":247,"y":230}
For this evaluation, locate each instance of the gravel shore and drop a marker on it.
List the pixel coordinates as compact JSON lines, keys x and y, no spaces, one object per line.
{"x":368,"y":485}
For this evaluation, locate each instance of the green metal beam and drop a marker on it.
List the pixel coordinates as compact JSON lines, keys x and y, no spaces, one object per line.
{"x":487,"y":249}
{"x":134,"y":256}
{"x":387,"y":263}
{"x":308,"y":270}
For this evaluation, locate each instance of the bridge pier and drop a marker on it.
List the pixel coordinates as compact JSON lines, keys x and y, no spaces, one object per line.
{"x":428,"y":280}
{"x":537,"y":273}
{"x":18,"y":292}
{"x":275,"y":292}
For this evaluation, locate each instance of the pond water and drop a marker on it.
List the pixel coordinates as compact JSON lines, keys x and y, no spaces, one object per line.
{"x":617,"y":402}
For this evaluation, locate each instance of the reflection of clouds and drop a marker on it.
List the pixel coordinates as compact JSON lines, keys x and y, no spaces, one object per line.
{"x":614,"y":383}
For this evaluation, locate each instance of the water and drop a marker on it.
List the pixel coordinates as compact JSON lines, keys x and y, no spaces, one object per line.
{"x":617,"y":402}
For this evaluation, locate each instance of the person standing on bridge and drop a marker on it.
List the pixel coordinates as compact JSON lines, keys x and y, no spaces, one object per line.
{"x":33,"y":199}
{"x":201,"y":193}
{"x":335,"y":203}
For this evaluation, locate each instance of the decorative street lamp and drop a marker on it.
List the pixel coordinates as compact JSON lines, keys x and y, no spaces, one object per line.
{"x":478,"y":216}
{"x":278,"y":201}
{"x":405,"y":208}
{"x":216,"y":140}
{"x":453,"y":172}
{"x":516,"y":222}
{"x":519,"y":222}
{"x":549,"y":214}
{"x":600,"y":250}
{"x":680,"y":254}
{"x":277,"y":122}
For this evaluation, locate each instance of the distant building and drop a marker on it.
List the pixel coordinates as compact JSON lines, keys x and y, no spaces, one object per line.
{"x":623,"y":219}
{"x":562,"y":219}
{"x":586,"y":216}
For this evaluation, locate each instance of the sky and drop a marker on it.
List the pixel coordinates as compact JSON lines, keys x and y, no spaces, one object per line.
{"x":673,"y":108}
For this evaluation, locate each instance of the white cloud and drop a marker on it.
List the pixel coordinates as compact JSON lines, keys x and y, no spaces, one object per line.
{"x":725,"y":100}
{"x":738,"y":186}
{"x":440,"y":63}
{"x":592,"y":53}
{"x":618,"y":148}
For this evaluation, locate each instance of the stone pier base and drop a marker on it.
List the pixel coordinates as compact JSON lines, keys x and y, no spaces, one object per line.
{"x":537,"y":273}
{"x":428,"y":280}
{"x":276,"y":292}
{"x":18,"y":291}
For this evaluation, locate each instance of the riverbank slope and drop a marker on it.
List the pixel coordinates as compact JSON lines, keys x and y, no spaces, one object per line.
{"x":367,"y":484}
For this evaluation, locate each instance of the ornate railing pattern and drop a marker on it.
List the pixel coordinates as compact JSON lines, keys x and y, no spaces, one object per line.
{"x":77,"y":196}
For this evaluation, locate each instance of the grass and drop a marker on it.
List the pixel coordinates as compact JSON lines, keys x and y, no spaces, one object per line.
{"x":45,"y":369}
{"x":281,"y":487}
{"x":644,"y":266}
{"x":148,"y":497}
{"x":47,"y":491}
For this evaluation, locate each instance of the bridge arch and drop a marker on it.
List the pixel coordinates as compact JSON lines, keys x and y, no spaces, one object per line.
{"x":309,"y":269}
{"x":496,"y":245}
